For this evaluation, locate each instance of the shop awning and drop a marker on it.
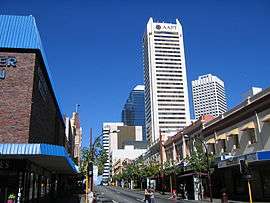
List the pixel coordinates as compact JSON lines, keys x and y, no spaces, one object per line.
{"x":233,"y":132}
{"x":266,"y":118}
{"x":52,"y":157}
{"x":211,"y":141}
{"x":248,"y":126}
{"x":222,"y":137}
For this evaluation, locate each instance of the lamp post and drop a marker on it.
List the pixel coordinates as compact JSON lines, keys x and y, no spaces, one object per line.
{"x":208,"y":166}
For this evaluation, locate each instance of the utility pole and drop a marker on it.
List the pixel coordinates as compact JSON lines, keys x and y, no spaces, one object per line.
{"x":161,"y":162}
{"x":92,"y":158}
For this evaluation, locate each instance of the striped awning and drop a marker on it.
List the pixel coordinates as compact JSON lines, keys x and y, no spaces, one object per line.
{"x":233,"y":132}
{"x":248,"y":126}
{"x":211,"y":141}
{"x":53,"y":157}
{"x":266,"y":118}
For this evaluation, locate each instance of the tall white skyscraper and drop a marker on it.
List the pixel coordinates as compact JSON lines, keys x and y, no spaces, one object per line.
{"x":208,"y":96}
{"x":109,"y":142}
{"x":166,"y":92}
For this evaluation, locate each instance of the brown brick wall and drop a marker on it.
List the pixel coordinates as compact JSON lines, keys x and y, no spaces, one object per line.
{"x":15,"y":99}
{"x":46,"y":122}
{"x":28,"y":110}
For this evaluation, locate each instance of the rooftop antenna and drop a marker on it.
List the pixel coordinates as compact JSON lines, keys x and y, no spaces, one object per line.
{"x":77,"y":107}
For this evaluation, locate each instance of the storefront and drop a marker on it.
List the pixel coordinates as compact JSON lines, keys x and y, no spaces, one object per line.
{"x":232,"y":181}
{"x":34,"y":172}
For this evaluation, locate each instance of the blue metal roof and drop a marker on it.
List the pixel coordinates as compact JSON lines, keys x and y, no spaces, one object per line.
{"x":21,"y":32}
{"x":37,"y":150}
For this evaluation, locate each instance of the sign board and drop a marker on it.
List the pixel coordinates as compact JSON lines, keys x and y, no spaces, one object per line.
{"x":235,"y":160}
{"x":6,"y":62}
{"x":165,"y":27}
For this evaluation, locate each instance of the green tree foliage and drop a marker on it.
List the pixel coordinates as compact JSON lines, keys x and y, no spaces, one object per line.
{"x":197,"y":161}
{"x":139,"y":170}
{"x":170,"y":167}
{"x":97,"y":154}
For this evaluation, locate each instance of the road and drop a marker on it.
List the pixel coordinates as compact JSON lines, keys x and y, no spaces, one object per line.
{"x":119,"y":195}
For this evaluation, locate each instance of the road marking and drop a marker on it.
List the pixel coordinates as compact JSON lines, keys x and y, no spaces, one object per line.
{"x":114,"y":201}
{"x":140,"y":200}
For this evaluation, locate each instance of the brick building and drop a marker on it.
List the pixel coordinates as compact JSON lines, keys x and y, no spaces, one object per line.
{"x":34,"y":164}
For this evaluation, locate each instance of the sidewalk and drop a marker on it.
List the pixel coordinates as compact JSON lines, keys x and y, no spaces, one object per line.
{"x":80,"y":198}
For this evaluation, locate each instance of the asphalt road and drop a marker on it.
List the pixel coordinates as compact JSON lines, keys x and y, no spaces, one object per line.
{"x":119,"y":195}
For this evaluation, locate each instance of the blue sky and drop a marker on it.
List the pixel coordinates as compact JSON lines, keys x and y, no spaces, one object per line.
{"x":94,"y":47}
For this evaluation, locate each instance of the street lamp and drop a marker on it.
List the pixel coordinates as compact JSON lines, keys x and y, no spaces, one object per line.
{"x":208,"y":165}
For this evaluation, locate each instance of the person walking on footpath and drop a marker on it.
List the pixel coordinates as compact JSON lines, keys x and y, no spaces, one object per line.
{"x":152,"y":195}
{"x":147,"y":196}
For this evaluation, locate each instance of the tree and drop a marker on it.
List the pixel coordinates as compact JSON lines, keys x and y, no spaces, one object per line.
{"x":197,"y":161}
{"x":97,"y":154}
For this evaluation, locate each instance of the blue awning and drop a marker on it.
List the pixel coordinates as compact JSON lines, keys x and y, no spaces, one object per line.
{"x":53,"y":157}
{"x":251,"y":157}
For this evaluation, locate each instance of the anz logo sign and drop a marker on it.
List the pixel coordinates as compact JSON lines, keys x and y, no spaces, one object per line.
{"x":166,"y":27}
{"x":6,"y":62}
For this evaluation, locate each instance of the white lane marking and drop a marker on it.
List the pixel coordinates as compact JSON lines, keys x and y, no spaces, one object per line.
{"x":114,"y":201}
{"x":140,"y":200}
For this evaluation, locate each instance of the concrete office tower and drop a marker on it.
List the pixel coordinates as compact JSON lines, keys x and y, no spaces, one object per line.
{"x":208,"y":96}
{"x":133,"y":113}
{"x":109,"y":142}
{"x":166,"y":92}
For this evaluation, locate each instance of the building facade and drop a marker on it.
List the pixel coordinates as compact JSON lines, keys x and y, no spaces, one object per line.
{"x":109,"y":142}
{"x":116,"y":136}
{"x":133,"y":113}
{"x":208,"y":96}
{"x":165,"y":79}
{"x":76,"y":130}
{"x":34,"y":161}
{"x":243,"y":133}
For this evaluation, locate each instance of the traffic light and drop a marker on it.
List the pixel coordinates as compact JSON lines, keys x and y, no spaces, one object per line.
{"x":90,"y":169}
{"x":244,"y":170}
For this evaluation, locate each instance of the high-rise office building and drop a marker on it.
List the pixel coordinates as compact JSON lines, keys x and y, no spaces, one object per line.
{"x":109,"y":142}
{"x":133,"y":113}
{"x":208,"y":96}
{"x":166,"y":92}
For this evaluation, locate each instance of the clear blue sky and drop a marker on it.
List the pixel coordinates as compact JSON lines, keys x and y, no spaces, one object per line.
{"x":94,"y":47}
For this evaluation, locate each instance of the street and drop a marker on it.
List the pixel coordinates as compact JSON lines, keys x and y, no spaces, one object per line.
{"x":116,"y":194}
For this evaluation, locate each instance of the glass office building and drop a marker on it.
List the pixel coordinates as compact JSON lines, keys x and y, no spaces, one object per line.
{"x":133,"y":113}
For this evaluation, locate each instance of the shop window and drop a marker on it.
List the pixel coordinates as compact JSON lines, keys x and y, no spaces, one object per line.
{"x":212,"y":149}
{"x":36,"y":187}
{"x":31,"y":186}
{"x":223,"y":145}
{"x":235,"y":141}
{"x":42,"y":189}
{"x":251,"y":136}
{"x":48,"y":186}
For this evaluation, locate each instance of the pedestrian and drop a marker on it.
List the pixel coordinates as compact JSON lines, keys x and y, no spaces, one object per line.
{"x":152,"y":195}
{"x":147,"y":196}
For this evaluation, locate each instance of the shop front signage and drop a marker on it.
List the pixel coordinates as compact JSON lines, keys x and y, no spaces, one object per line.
{"x":235,"y":160}
{"x":6,"y":62}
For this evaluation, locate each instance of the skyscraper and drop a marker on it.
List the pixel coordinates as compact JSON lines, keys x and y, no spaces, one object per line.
{"x":133,"y":113}
{"x":166,"y":92}
{"x":208,"y":96}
